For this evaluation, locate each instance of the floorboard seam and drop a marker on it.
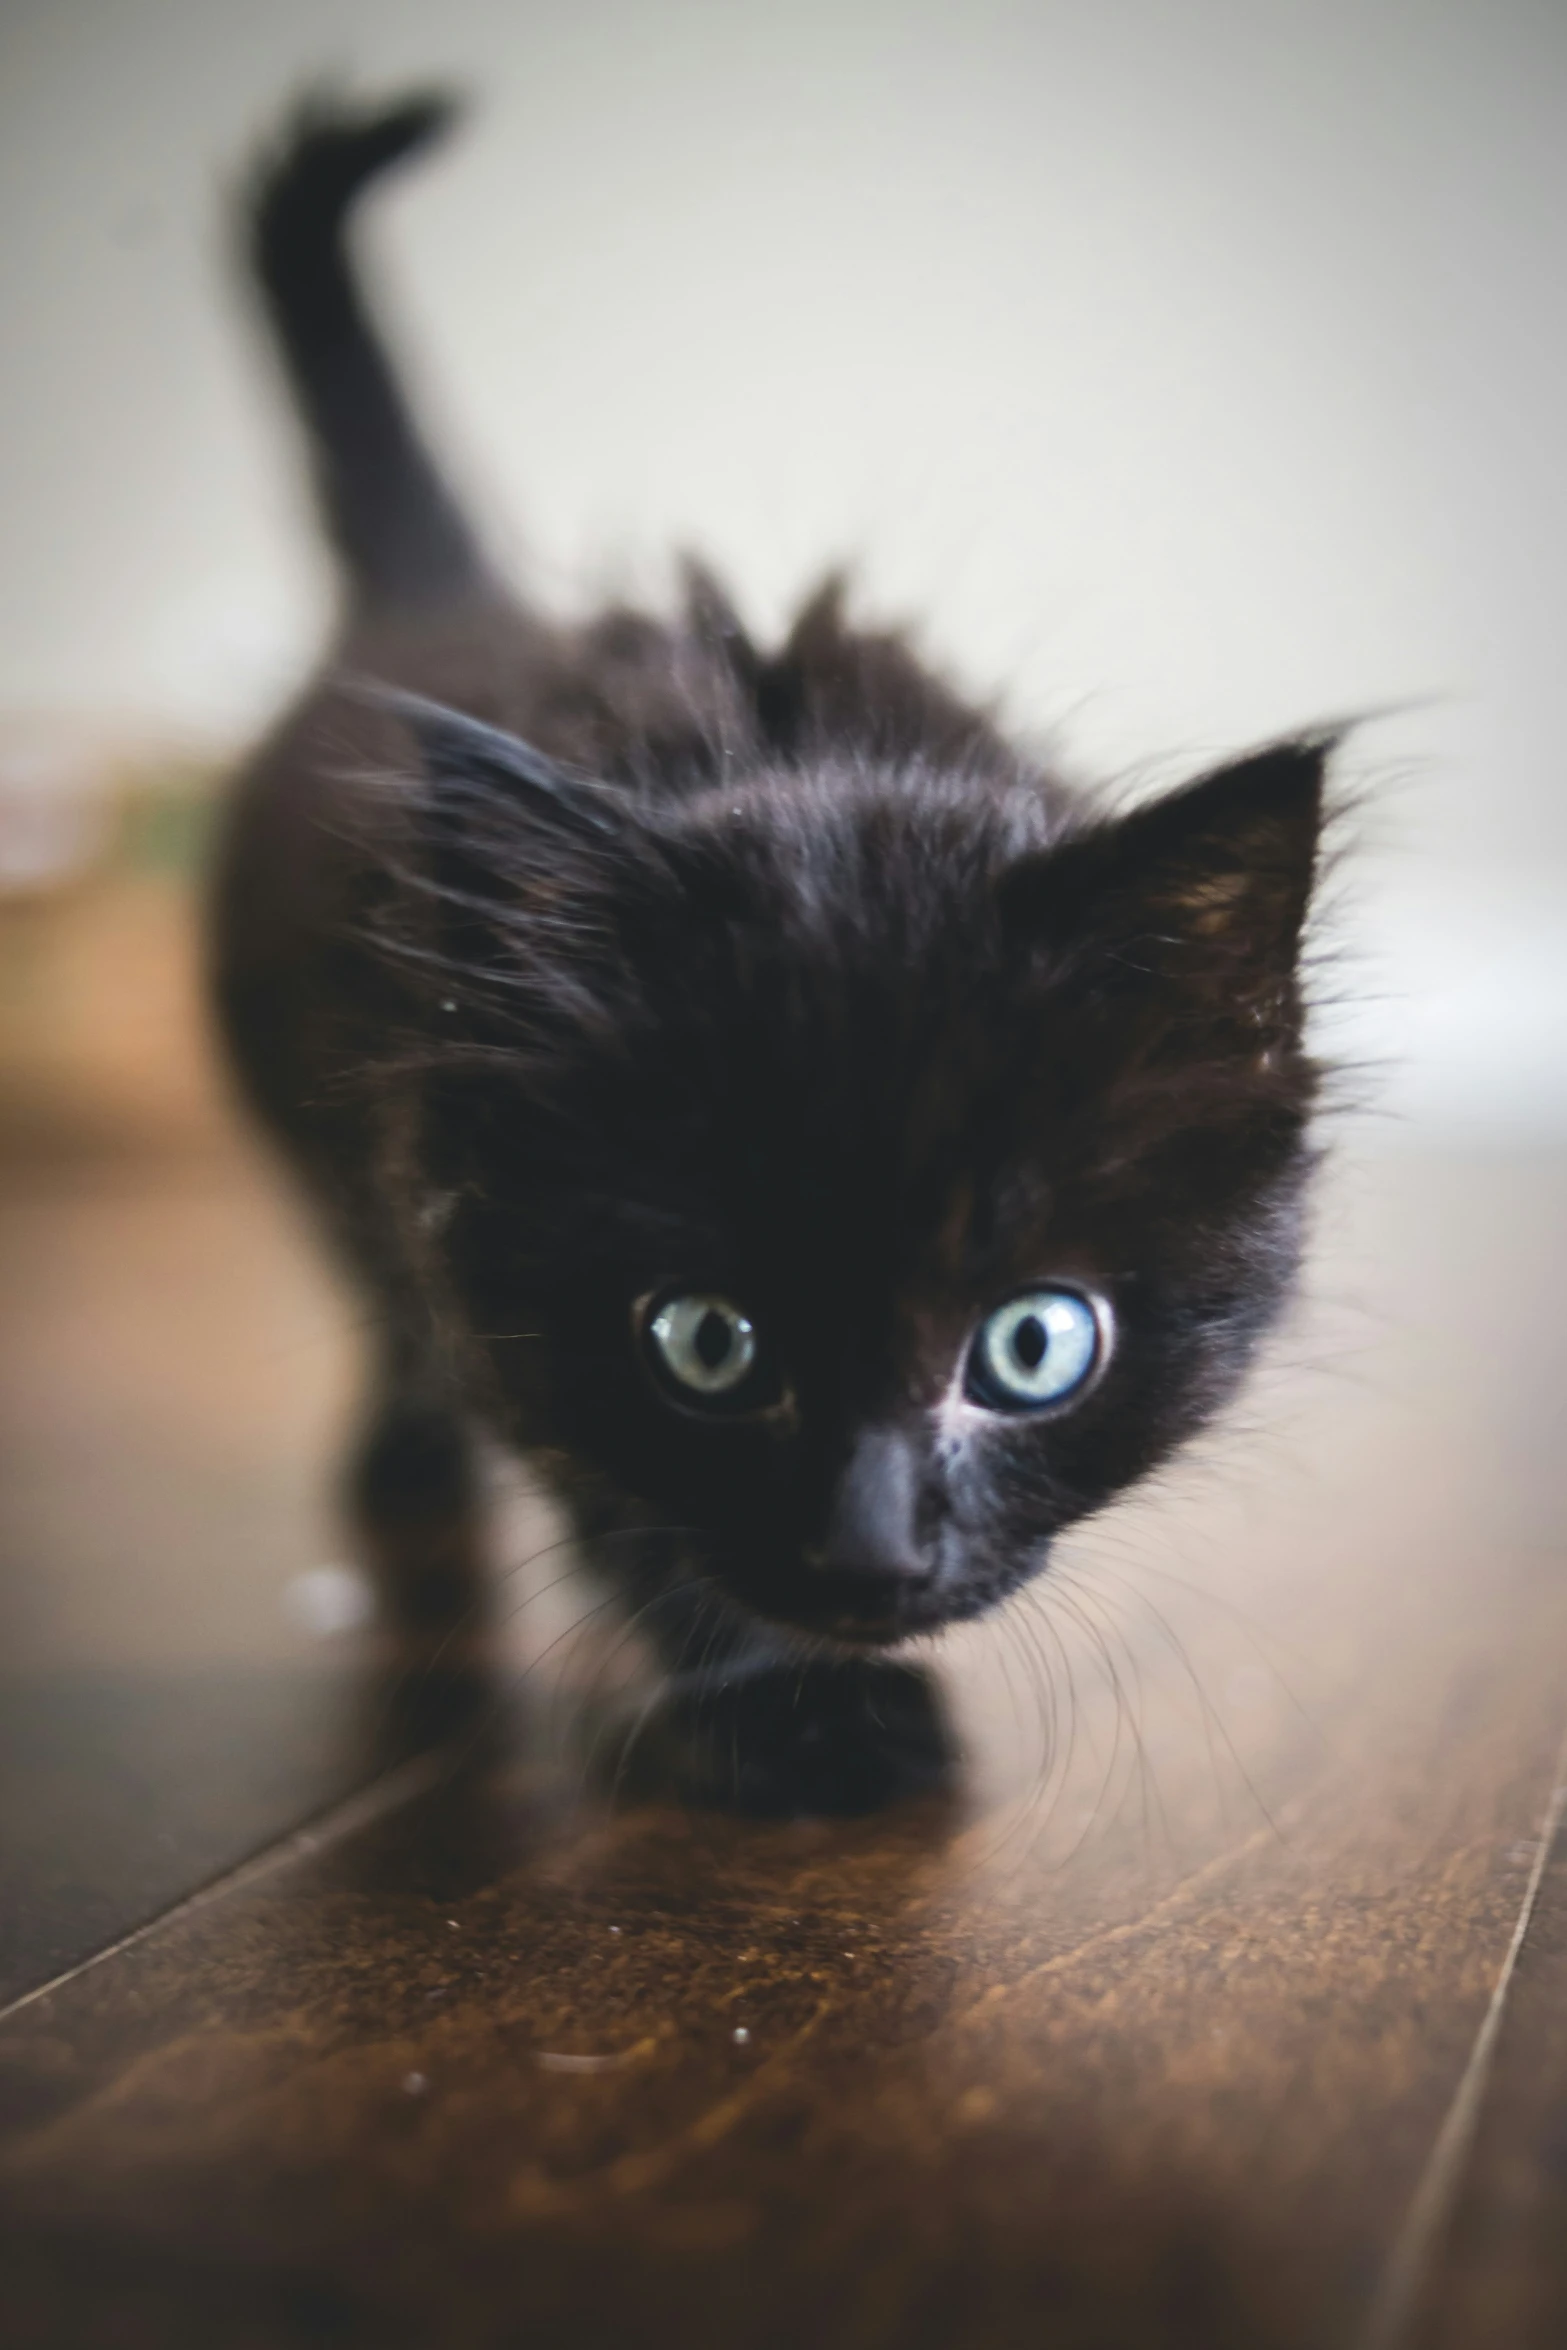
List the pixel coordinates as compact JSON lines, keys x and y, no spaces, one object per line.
{"x":356,"y":1811}
{"x":1409,"y":2262}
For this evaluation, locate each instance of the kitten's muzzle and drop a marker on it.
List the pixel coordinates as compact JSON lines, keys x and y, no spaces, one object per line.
{"x":870,"y":1577}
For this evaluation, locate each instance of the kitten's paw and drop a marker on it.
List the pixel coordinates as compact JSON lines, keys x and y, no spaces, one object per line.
{"x":797,"y":1741}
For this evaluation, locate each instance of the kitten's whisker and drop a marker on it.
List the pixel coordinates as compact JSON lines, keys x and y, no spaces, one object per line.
{"x":1262,"y":1647}
{"x":657,"y":1696}
{"x":626,"y":1633}
{"x":1044,"y":1682}
{"x":1061,"y":1600}
{"x":1113,"y":1634}
{"x":610,"y":1600}
{"x":1212,"y":1719}
{"x":1045,"y":1625}
{"x":1022,"y":1812}
{"x":478,"y":1610}
{"x":1104,"y":1636}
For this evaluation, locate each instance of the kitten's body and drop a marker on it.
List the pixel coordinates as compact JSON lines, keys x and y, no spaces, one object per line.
{"x":778,"y":978}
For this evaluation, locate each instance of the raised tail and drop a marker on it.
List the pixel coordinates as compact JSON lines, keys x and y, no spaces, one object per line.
{"x":392,"y":519}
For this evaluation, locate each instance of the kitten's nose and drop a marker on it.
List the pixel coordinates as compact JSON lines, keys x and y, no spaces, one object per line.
{"x":870,"y":1532}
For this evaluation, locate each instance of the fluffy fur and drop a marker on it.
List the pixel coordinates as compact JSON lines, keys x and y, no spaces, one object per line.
{"x":601,"y":960}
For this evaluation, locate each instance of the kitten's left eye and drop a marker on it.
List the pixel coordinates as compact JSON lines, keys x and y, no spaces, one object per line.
{"x":704,"y":1346}
{"x":1038,"y":1349}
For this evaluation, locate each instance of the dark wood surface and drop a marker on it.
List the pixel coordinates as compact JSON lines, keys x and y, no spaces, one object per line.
{"x":1170,"y":2026}
{"x":1502,"y":2274}
{"x":122,"y":1792}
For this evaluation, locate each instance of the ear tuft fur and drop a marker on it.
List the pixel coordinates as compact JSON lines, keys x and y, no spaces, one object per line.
{"x":1205,"y":890}
{"x":474,"y":771}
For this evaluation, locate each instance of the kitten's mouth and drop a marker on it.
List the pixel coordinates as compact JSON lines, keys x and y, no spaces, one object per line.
{"x":857,"y":1611}
{"x":853,"y":1611}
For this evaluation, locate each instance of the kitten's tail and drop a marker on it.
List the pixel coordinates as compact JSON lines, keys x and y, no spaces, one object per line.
{"x":395,"y":524}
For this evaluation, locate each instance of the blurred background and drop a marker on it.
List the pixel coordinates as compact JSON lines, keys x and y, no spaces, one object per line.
{"x":1184,"y":375}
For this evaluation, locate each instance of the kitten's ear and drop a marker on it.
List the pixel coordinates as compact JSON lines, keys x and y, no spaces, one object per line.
{"x":502,"y":845}
{"x":1206,"y":889}
{"x":486,"y":790}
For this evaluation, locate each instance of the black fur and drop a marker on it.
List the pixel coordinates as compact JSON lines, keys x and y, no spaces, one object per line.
{"x":391,"y":518}
{"x":605,"y":958}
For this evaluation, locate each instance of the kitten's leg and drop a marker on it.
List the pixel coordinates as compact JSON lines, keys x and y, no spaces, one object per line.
{"x":417,"y":1499}
{"x":751,"y":1728}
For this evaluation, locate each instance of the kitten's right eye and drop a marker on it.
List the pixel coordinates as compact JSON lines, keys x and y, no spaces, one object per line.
{"x":705,"y":1350}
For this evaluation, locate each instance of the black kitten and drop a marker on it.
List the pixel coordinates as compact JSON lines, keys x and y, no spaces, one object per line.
{"x":743,"y":1082}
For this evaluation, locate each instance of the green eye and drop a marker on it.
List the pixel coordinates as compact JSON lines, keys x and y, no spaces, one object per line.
{"x":705,"y":1344}
{"x":1038,"y":1349}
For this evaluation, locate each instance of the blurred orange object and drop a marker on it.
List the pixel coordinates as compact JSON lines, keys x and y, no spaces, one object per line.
{"x":103,"y":1043}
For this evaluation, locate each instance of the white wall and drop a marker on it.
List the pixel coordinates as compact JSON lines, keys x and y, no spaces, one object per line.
{"x":1190,"y":371}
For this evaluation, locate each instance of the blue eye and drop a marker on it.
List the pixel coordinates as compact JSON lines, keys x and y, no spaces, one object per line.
{"x":1038,"y":1349}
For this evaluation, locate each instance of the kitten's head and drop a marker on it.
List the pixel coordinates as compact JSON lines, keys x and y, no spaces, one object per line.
{"x":856,"y":1169}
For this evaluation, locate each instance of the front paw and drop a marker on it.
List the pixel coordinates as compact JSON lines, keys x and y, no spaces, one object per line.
{"x":797,"y":1741}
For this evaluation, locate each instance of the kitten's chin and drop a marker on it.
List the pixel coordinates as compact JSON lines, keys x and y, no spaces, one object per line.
{"x":846,"y":1640}
{"x":783,"y":1635}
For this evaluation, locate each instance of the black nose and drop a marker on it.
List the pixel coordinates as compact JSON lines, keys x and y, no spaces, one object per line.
{"x":870,"y":1546}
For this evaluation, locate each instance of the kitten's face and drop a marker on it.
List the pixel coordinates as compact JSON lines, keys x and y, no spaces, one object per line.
{"x":853,"y":1183}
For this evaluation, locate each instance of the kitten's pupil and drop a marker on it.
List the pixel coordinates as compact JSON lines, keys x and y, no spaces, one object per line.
{"x":1029,"y":1343}
{"x":713,"y":1340}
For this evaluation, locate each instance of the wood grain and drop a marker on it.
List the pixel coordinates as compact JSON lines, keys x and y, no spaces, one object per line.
{"x":1144,"y":2037}
{"x":1500,"y":2271}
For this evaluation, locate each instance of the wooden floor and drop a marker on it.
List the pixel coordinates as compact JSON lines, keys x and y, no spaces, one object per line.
{"x":1226,"y":2003}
